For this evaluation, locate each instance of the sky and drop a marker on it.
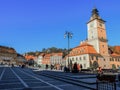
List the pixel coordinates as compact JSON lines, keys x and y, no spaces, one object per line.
{"x":31,"y":25}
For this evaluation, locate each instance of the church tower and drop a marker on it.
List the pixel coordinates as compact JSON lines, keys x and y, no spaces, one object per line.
{"x":97,"y":33}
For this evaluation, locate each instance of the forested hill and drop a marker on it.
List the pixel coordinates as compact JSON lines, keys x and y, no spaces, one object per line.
{"x":112,"y":49}
{"x":49,"y":50}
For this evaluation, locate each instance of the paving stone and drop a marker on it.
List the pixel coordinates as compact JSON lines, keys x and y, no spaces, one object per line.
{"x":10,"y":86}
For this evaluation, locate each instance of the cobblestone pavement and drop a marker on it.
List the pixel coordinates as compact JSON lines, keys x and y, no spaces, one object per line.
{"x":16,"y":78}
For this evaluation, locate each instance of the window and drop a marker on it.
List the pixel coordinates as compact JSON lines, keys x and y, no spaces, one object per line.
{"x":73,"y":59}
{"x":92,"y":58}
{"x":76,"y":58}
{"x":118,"y":59}
{"x":84,"y":58}
{"x":110,"y":59}
{"x":76,"y":52}
{"x":96,"y":57}
{"x":115,"y":59}
{"x":118,"y":66}
{"x":103,"y":46}
{"x":82,"y":50}
{"x":100,"y":24}
{"x":84,"y":65}
{"x":79,"y":58}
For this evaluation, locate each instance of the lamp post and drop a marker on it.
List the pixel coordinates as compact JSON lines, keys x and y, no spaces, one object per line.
{"x":69,"y":36}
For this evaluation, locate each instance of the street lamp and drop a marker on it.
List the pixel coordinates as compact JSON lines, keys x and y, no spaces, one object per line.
{"x":69,"y":36}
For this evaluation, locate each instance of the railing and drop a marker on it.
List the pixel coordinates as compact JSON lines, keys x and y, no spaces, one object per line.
{"x":106,"y":82}
{"x":106,"y":85}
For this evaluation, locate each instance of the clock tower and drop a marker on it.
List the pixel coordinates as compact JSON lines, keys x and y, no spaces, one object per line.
{"x":97,"y":33}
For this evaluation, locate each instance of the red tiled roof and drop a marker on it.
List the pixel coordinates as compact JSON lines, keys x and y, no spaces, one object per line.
{"x":114,"y":54}
{"x":84,"y":48}
{"x":29,"y":57}
{"x":117,"y":47}
{"x":58,"y":54}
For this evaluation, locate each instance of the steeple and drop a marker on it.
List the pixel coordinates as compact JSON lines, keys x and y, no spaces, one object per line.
{"x":95,"y":15}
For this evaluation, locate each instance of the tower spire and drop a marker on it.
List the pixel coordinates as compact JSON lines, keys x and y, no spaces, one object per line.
{"x":95,"y":14}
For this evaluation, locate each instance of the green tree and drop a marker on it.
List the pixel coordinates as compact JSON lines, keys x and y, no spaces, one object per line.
{"x":44,"y":50}
{"x":95,"y":65}
{"x":91,"y":66}
{"x":113,"y":66}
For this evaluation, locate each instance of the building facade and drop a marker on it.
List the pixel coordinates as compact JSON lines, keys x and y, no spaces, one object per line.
{"x":39,"y":59}
{"x":46,"y":59}
{"x":20,"y":59}
{"x":56,"y":58}
{"x":95,"y":48}
{"x":7,"y":55}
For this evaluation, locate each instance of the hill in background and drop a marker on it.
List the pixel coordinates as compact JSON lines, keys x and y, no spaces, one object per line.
{"x":112,"y":49}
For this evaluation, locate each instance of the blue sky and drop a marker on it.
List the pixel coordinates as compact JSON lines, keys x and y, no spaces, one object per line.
{"x":30,"y":25}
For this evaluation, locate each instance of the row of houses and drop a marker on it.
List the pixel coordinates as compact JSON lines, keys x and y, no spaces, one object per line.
{"x":43,"y":59}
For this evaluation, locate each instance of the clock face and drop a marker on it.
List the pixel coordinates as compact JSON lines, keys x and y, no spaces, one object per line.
{"x":91,"y":25}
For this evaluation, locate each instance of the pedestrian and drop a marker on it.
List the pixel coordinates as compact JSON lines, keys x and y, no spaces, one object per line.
{"x":46,"y":66}
{"x":75,"y":68}
{"x":78,"y":66}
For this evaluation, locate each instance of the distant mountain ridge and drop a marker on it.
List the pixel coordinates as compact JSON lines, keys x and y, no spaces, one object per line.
{"x":5,"y":49}
{"x":112,"y":49}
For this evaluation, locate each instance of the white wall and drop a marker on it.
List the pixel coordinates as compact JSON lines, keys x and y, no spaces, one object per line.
{"x":85,"y":63}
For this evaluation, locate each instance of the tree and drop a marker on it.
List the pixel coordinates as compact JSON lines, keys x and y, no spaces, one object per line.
{"x":44,"y":50}
{"x":31,"y":62}
{"x":95,"y":65}
{"x":113,"y":66}
{"x":91,"y":66}
{"x":50,"y":50}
